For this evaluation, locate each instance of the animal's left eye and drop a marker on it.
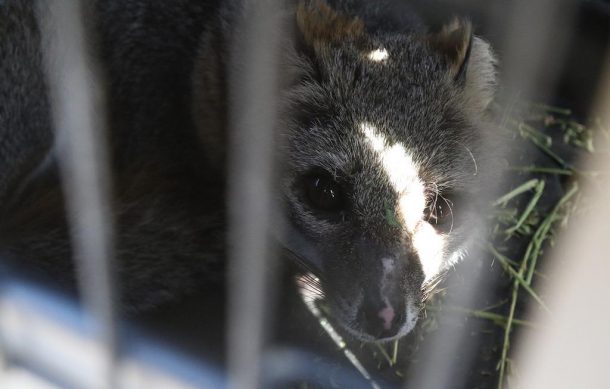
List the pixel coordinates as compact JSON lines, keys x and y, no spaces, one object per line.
{"x":323,"y":192}
{"x":440,"y":212}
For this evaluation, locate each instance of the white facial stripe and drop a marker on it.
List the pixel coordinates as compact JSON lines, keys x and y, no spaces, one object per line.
{"x":411,"y":206}
{"x":430,"y":247}
{"x":398,"y":164}
{"x":403,"y":173}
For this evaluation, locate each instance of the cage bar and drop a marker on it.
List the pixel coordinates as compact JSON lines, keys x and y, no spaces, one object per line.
{"x":253,"y":89}
{"x":78,"y":111}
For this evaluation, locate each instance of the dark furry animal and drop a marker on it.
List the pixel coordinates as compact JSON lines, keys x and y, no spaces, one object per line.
{"x":385,"y":145}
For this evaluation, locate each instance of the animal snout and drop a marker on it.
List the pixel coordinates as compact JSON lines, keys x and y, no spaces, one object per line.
{"x":382,"y":318}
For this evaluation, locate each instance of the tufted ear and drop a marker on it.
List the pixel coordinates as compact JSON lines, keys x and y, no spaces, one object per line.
{"x":319,"y":25}
{"x":471,"y":63}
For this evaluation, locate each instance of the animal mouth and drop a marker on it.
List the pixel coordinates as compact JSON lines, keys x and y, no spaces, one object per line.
{"x":313,"y":295}
{"x":309,"y":286}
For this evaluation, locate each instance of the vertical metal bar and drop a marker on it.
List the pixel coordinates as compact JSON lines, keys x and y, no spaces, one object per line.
{"x":253,"y":91}
{"x":536,"y":31}
{"x":77,"y":100}
{"x":571,"y":348}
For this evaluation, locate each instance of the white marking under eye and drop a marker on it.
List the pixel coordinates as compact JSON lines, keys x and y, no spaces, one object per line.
{"x":378,"y":55}
{"x":430,"y":247}
{"x":402,"y":172}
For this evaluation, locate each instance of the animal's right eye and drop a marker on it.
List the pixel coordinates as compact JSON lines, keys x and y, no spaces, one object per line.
{"x":323,"y":192}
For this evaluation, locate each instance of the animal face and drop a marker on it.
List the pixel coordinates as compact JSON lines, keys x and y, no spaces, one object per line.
{"x":381,"y":153}
{"x":383,"y":148}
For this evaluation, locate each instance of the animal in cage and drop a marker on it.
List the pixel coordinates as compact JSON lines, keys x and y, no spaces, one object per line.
{"x":383,"y":136}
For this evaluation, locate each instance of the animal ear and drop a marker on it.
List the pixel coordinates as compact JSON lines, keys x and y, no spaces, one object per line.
{"x":320,"y":25}
{"x":454,"y":44}
{"x":471,"y":63}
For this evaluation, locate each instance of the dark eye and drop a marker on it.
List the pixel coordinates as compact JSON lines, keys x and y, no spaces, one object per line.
{"x":440,"y":212}
{"x":323,"y":192}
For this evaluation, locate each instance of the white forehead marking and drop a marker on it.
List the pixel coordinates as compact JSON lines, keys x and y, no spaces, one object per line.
{"x":403,"y":173}
{"x":378,"y":55}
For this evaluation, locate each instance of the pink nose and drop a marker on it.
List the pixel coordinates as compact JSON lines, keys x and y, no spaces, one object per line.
{"x":387,"y":315}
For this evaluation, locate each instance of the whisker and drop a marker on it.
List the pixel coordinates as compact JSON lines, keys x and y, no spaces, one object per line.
{"x":309,"y":286}
{"x":429,"y":289}
{"x":449,"y":204}
{"x":433,"y":188}
{"x":304,"y":288}
{"x":474,"y":161}
{"x":301,"y":263}
{"x":306,"y":284}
